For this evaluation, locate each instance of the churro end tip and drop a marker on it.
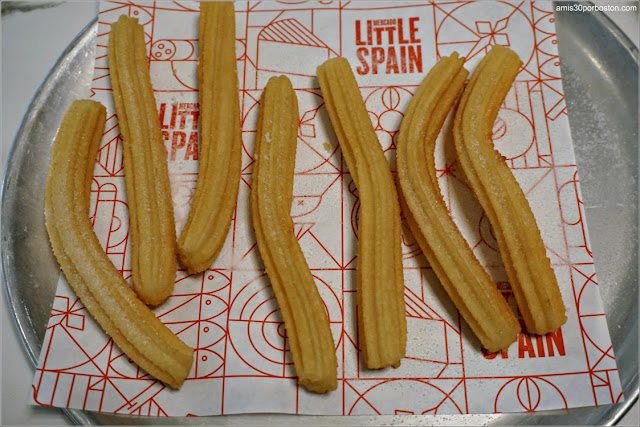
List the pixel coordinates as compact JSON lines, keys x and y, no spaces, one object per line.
{"x":319,"y":386}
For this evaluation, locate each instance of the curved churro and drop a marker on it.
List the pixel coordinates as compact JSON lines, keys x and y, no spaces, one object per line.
{"x":152,"y":227}
{"x":381,"y":311}
{"x":469,"y":286}
{"x":100,"y":287}
{"x":304,"y":314}
{"x":220,"y":140}
{"x":532,"y":279}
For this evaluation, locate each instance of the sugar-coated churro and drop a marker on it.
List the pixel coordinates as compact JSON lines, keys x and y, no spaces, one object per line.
{"x":151,"y":222}
{"x":305,"y":318}
{"x":529,"y":270}
{"x":100,"y":287}
{"x":469,"y":286}
{"x":220,"y":140}
{"x":381,"y":311}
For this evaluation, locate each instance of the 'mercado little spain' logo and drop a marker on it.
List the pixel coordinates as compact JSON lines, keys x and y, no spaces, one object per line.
{"x":388,"y":46}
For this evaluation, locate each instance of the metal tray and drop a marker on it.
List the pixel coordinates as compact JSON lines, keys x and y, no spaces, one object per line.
{"x":600,"y":77}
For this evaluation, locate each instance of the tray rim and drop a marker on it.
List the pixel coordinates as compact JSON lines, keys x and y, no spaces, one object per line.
{"x":41,"y":91}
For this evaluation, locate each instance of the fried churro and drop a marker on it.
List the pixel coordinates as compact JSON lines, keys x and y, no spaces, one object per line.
{"x":152,"y":227}
{"x":220,"y":140}
{"x":305,"y":318}
{"x":381,"y":312}
{"x":100,"y":287}
{"x":529,"y":270}
{"x":469,"y":286}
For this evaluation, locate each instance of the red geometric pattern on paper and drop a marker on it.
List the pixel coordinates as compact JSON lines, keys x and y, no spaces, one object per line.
{"x":529,"y":391}
{"x":229,"y":313}
{"x":68,"y":313}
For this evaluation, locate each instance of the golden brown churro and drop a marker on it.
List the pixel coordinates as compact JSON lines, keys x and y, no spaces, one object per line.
{"x":304,"y":314}
{"x":100,"y":287}
{"x":469,"y":286}
{"x":152,"y":227}
{"x":220,"y":140}
{"x":532,"y":278}
{"x":381,"y":311}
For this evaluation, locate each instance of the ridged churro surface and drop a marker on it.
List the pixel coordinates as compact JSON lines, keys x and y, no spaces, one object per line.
{"x":532,"y":279}
{"x":467,"y":283}
{"x":305,"y":318}
{"x":220,"y":140}
{"x":382,"y":324}
{"x":100,"y":287}
{"x":151,"y":223}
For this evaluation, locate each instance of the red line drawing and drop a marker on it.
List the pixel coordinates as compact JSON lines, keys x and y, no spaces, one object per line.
{"x":228,"y":313}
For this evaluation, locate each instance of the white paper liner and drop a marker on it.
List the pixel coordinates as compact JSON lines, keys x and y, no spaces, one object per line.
{"x":229,"y":313}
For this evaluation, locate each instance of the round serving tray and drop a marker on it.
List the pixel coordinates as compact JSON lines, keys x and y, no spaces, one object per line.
{"x":600,"y":78}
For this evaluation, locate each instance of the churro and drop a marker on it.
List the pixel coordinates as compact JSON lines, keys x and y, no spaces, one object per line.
{"x":220,"y":140}
{"x":529,"y":270}
{"x":469,"y":286}
{"x":152,"y":227}
{"x":382,"y":325}
{"x":100,"y":287}
{"x":305,"y":319}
